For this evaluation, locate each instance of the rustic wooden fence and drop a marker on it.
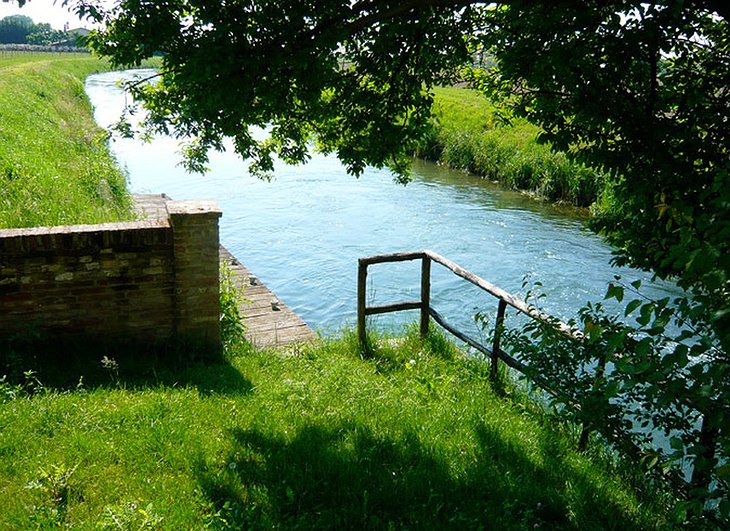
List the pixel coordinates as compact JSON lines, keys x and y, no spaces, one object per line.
{"x":708,"y":436}
{"x":504,"y":299}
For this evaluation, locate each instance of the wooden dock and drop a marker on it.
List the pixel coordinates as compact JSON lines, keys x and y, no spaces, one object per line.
{"x":268,"y":321}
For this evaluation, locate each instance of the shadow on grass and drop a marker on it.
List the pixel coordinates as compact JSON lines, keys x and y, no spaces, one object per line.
{"x":68,"y":366}
{"x":349,"y":478}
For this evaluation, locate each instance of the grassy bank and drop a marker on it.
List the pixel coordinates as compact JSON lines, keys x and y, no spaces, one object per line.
{"x":408,"y":437}
{"x":55,"y":166}
{"x":467,"y":135}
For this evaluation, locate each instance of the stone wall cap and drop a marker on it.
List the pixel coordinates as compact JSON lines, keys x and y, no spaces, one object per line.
{"x":194,"y":207}
{"x":76,"y":229}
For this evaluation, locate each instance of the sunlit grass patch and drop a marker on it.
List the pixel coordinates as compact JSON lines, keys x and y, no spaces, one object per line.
{"x":55,"y":164}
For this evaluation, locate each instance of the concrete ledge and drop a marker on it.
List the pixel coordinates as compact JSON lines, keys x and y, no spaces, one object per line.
{"x":82,"y":229}
{"x":193,"y":208}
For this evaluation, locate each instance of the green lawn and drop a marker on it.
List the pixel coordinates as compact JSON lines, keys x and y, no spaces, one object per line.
{"x":407,"y":437}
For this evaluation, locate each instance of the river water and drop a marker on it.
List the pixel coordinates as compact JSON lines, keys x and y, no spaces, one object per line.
{"x":302,"y":233}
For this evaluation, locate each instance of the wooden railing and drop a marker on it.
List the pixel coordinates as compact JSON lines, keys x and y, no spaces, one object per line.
{"x":505,"y":299}
{"x":708,"y":436}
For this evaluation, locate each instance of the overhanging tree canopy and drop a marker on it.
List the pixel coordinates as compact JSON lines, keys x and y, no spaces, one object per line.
{"x":350,"y":74}
{"x":641,"y":92}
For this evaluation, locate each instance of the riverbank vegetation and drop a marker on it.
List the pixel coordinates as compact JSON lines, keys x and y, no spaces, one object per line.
{"x":55,"y":164}
{"x":409,"y":435}
{"x":654,"y":122}
{"x":467,"y":133}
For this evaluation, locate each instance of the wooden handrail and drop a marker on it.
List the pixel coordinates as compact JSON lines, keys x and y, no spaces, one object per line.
{"x":502,"y":295}
{"x":495,"y":352}
{"x":427,"y":256}
{"x":424,"y":305}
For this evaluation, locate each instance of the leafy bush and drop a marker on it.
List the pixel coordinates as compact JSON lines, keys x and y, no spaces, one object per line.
{"x":231,"y":295}
{"x":661,"y":376}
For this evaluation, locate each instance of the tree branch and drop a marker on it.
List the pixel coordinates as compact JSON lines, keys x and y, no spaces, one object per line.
{"x":403,"y":8}
{"x":141,"y":81}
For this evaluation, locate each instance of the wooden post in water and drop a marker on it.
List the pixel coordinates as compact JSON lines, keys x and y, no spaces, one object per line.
{"x":362,"y":280}
{"x":425,"y":295}
{"x":498,"y":325}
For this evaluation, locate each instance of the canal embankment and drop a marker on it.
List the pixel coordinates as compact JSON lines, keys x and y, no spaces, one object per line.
{"x":303,"y":232}
{"x":469,"y":133}
{"x":55,"y":163}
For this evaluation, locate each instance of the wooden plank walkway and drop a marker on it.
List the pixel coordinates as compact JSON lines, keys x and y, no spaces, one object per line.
{"x":269,"y":322}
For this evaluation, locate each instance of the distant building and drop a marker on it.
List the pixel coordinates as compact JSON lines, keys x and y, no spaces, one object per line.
{"x":79,"y":32}
{"x":73,"y":37}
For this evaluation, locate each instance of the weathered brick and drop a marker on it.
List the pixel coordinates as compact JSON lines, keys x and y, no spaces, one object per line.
{"x":137,"y":280}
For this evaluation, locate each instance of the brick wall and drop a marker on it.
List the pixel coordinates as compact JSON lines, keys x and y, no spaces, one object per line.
{"x":152,"y":283}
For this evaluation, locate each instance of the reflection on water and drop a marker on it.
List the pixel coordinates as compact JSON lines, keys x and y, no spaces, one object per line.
{"x":303,"y":233}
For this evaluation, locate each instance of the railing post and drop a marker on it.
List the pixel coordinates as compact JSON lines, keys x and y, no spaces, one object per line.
{"x":585,"y":431}
{"x":702,"y":475}
{"x":362,"y":280}
{"x":498,"y":325}
{"x":425,"y":295}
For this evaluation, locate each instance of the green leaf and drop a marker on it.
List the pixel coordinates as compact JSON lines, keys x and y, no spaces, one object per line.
{"x":645,"y":314}
{"x":725,"y":508}
{"x":614,"y":292}
{"x":681,"y":356}
{"x":612,"y":389}
{"x":650,"y":461}
{"x":643,"y":347}
{"x":622,"y":364}
{"x":723,"y":472}
{"x":615,"y":341}
{"x":593,"y":331}
{"x":630,"y":307}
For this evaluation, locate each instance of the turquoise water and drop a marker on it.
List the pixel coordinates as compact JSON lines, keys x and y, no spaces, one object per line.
{"x":303,"y":232}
